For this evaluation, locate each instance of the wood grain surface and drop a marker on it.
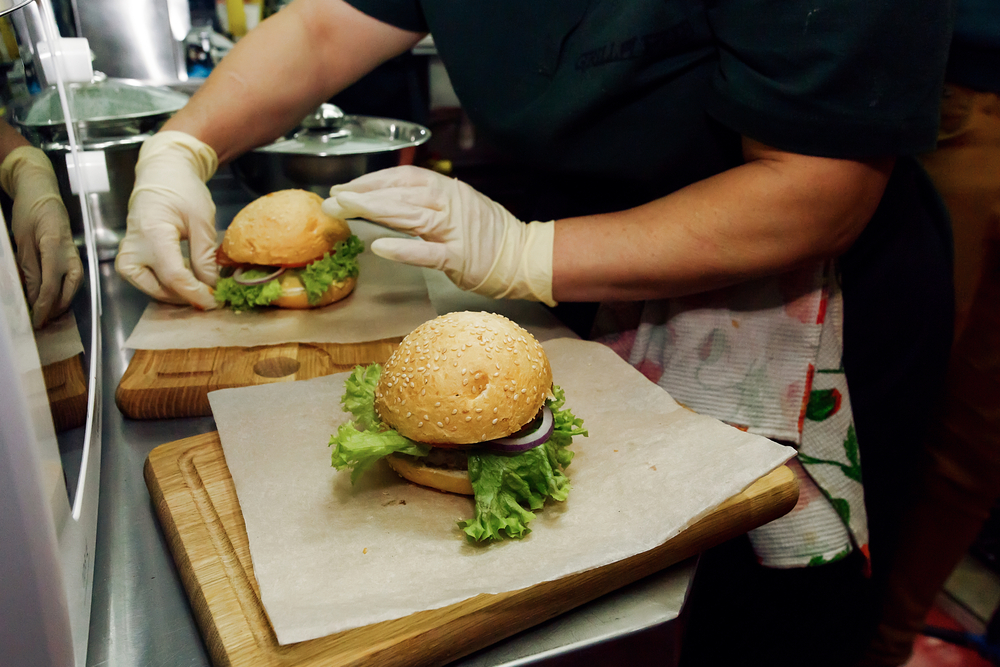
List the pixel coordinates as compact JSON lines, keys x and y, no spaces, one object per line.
{"x":196,"y":502}
{"x":163,"y":384}
{"x":66,"y":386}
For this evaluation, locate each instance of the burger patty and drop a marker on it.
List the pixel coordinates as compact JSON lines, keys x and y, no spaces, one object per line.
{"x":450,"y":458}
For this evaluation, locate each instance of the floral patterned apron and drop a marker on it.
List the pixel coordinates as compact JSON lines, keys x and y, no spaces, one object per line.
{"x":765,"y":357}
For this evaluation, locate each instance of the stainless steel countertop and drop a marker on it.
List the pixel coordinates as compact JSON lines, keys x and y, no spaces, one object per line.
{"x":141,"y":615}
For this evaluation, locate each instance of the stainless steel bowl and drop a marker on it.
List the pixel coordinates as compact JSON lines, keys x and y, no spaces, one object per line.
{"x":326,"y":149}
{"x":112,"y":115}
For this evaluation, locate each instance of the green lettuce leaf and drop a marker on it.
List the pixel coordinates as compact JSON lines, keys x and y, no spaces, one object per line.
{"x":504,"y":483}
{"x":332,"y":268}
{"x":359,"y":396}
{"x":507,"y":487}
{"x":245,"y":297}
{"x":316,"y":278}
{"x":358,"y":445}
{"x":358,"y":451}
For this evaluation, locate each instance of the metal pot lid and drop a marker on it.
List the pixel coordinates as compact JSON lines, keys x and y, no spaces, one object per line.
{"x":101,"y":101}
{"x":329,"y":132}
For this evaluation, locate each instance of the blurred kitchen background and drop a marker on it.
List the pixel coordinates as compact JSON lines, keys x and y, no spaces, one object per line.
{"x":175,"y":44}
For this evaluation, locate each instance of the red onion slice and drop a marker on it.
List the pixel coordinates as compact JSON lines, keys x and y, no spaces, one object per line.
{"x":238,"y":276}
{"x":514,"y":445}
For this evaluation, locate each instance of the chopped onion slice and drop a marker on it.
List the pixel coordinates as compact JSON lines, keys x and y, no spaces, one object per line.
{"x":513,"y":445}
{"x":238,"y":276}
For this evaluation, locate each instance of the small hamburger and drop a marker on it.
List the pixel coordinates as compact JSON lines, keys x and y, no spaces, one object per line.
{"x":283,"y":250}
{"x":465,"y":405}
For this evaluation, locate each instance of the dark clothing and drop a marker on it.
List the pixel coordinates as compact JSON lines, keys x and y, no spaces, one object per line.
{"x":658,"y":92}
{"x":974,"y":59}
{"x":898,"y":316}
{"x":608,"y":105}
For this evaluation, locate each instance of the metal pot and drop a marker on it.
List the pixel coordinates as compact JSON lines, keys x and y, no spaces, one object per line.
{"x":328,"y":148}
{"x":112,"y":115}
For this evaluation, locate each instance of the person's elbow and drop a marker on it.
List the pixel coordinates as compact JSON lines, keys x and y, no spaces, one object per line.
{"x":833,"y":199}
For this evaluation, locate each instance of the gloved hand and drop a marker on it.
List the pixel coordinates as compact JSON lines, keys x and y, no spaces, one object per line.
{"x":46,"y":253}
{"x":170,"y":202}
{"x":479,"y":245}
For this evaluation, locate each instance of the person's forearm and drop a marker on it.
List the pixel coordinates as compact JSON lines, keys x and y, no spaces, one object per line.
{"x":283,"y":69}
{"x":772,"y":214}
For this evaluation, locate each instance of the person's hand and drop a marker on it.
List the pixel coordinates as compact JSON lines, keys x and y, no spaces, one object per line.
{"x":46,"y":254}
{"x":479,"y":245}
{"x":170,"y":202}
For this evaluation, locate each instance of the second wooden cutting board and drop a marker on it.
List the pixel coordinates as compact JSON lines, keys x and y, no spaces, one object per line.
{"x":195,"y":499}
{"x":164,"y":384}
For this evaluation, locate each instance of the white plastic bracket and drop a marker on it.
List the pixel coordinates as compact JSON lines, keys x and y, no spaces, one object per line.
{"x":92,"y":172}
{"x":73,"y":54}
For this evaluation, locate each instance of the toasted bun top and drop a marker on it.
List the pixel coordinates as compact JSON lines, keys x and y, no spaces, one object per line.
{"x":284,"y":227}
{"x":463,"y":378}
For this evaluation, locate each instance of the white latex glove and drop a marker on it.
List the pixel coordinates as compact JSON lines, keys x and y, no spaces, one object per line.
{"x":46,"y":253}
{"x":170,"y":202}
{"x":479,"y":245}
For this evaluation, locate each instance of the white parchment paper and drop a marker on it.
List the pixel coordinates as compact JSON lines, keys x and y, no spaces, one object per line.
{"x":390,"y":300}
{"x":59,"y":339}
{"x":330,"y":556}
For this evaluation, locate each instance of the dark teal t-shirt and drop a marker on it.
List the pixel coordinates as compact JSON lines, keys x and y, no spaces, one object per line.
{"x":660,"y":91}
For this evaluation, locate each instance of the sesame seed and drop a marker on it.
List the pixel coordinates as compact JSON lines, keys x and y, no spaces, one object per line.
{"x":494,"y":410}
{"x":440,"y":424}
{"x":463,"y":371}
{"x":438,"y":404}
{"x":408,"y":414}
{"x":447,"y":420}
{"x":497,"y":374}
{"x":454,"y":411}
{"x":468,"y":419}
{"x":423,"y":391}
{"x":426,"y":417}
{"x":495,"y":421}
{"x":479,"y":409}
{"x":419,"y":424}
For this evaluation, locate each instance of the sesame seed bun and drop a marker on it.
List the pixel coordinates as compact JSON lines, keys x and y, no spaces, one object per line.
{"x":463,"y":378}
{"x":442,"y":479}
{"x":284,"y":227}
{"x":293,"y":292}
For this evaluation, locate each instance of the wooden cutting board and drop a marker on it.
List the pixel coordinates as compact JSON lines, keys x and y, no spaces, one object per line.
{"x":163,"y":384}
{"x":196,"y":502}
{"x":66,"y":386}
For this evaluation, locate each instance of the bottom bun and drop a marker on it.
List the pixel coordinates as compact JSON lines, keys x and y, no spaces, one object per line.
{"x":293,"y":292}
{"x":442,"y":479}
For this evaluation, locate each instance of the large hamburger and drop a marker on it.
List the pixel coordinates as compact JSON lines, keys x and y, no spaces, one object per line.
{"x":466,"y":405}
{"x":283,"y":250}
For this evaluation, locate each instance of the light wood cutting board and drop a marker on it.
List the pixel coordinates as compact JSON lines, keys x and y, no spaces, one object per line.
{"x":197,"y":505}
{"x":163,"y":384}
{"x":66,"y":386}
